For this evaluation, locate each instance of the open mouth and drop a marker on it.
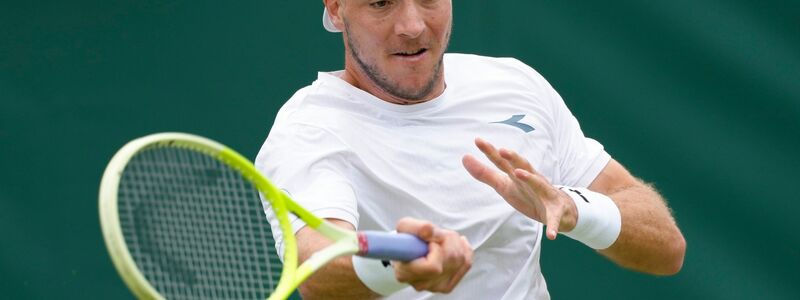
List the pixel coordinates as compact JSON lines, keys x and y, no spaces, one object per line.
{"x":412,"y":53}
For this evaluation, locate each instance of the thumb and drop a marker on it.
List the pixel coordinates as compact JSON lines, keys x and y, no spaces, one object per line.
{"x":553,"y":220}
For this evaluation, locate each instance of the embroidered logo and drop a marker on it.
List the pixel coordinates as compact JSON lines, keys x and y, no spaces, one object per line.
{"x":515,"y":121}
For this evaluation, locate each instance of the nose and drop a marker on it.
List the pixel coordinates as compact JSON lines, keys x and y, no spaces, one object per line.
{"x":410,"y":21}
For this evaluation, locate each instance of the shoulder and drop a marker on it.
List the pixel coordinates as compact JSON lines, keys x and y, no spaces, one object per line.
{"x":305,"y":98}
{"x":297,"y":138}
{"x":478,"y":74}
{"x":316,"y":115}
{"x":507,"y":69}
{"x":475,"y":59}
{"x":320,"y":104}
{"x":480,"y":62}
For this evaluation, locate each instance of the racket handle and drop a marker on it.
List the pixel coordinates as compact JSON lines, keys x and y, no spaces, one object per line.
{"x":391,"y":246}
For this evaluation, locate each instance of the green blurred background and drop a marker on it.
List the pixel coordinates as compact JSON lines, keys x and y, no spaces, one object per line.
{"x":700,"y":97}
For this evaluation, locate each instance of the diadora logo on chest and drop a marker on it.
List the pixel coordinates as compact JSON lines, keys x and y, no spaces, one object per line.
{"x":515,"y":121}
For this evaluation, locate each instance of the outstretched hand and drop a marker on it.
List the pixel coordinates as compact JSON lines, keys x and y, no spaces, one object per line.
{"x":448,"y":260}
{"x":523,"y":188}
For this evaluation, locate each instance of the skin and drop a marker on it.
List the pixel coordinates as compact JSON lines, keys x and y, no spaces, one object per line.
{"x":380,"y":35}
{"x":393,"y":50}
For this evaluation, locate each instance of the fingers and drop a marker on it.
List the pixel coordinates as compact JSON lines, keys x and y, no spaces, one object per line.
{"x":419,"y":272}
{"x":423,"y":229}
{"x":482,"y":173}
{"x":493,"y":155}
{"x":466,"y":265}
{"x":503,"y":159}
{"x":517,"y":161}
{"x":506,"y":160}
{"x":448,"y":260}
{"x":536,"y":182}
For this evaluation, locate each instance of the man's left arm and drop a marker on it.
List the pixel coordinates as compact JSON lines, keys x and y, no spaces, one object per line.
{"x":649,"y":240}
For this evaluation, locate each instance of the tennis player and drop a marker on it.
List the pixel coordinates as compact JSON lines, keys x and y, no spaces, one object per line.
{"x":478,"y":156}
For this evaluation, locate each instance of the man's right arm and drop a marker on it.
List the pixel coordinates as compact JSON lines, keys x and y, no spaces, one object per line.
{"x":448,"y":260}
{"x":336,"y":279}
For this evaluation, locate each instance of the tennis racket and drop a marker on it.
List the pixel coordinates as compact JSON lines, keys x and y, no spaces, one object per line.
{"x":182,"y":219}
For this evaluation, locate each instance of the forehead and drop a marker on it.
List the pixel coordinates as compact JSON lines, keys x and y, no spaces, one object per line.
{"x":396,"y":1}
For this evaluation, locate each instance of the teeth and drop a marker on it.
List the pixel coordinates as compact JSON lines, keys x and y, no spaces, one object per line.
{"x":412,"y":52}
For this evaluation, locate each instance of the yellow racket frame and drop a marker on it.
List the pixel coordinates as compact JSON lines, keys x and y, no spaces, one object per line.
{"x":345,"y":241}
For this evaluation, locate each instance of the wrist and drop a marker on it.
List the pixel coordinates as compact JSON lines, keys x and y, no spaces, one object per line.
{"x":377,"y":275}
{"x":570,"y":216}
{"x":597,"y":221}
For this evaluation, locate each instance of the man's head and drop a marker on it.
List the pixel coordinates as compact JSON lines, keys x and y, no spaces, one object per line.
{"x":394,"y":48}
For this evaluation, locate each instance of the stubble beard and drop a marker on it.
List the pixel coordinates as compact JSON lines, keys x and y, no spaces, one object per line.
{"x":408,"y":96}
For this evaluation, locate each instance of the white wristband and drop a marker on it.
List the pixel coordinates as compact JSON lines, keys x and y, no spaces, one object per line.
{"x":377,"y":275}
{"x":599,"y":221}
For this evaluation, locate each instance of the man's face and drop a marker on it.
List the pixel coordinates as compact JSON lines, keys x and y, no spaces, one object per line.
{"x":397,"y":45}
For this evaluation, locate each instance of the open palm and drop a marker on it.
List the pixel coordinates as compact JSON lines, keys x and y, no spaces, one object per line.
{"x":523,"y":188}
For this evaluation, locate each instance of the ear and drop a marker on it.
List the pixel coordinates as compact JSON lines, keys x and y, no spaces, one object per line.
{"x":333,"y":7}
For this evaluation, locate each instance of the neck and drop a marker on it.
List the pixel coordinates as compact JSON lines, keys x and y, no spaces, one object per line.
{"x":357,"y":78}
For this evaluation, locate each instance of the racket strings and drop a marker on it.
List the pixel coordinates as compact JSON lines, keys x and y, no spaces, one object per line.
{"x":192,"y":227}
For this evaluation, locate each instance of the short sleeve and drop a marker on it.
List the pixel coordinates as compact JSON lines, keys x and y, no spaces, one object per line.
{"x":580,"y":159}
{"x":310,"y":165}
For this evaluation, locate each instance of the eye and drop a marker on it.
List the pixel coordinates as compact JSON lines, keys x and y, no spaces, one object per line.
{"x":379,"y":4}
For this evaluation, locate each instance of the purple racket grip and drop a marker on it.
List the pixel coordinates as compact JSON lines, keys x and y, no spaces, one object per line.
{"x":391,"y":246}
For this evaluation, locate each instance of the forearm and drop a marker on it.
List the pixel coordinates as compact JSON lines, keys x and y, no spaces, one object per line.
{"x":649,"y":239}
{"x":335,"y":280}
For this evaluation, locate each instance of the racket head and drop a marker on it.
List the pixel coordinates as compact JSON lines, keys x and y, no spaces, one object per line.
{"x":142,"y":253}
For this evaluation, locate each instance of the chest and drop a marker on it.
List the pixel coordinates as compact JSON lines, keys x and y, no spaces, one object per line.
{"x":426,"y":150}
